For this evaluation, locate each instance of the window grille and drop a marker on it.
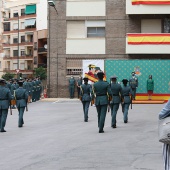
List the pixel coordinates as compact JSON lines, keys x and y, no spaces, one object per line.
{"x":74,"y":67}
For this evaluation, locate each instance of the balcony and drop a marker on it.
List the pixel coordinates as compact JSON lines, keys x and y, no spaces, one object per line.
{"x":42,"y":50}
{"x":28,"y":43}
{"x":148,"y":43}
{"x":42,"y":65}
{"x":6,"y":57}
{"x":147,"y":7}
{"x":6,"y":69}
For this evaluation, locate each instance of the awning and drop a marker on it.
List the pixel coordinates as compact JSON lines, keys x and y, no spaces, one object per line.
{"x":30,"y":9}
{"x":30,"y":22}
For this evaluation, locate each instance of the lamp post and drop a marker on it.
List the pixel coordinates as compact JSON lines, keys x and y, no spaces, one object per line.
{"x":51,"y":3}
{"x":18,"y":50}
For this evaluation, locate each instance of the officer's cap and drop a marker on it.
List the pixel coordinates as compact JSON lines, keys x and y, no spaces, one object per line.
{"x":125,"y":80}
{"x":91,"y":66}
{"x":113,"y":77}
{"x":85,"y":79}
{"x":20,"y":83}
{"x":2,"y":81}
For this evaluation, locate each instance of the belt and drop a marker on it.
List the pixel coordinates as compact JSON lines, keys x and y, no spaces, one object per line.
{"x":87,"y":93}
{"x":101,"y":94}
{"x":18,"y":99}
{"x":126,"y":95}
{"x":114,"y":95}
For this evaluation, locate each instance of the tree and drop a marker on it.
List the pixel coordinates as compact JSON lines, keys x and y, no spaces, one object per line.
{"x":8,"y":76}
{"x":42,"y":72}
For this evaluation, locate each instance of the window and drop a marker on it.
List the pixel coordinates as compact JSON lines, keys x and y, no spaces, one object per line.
{"x":15,"y":14}
{"x":166,"y":25}
{"x":22,"y":66}
{"x":22,"y":25}
{"x":15,"y":40}
{"x":15,"y":26}
{"x":15,"y":53}
{"x":74,"y":67}
{"x":22,"y":38}
{"x":95,"y":31}
{"x":35,"y":60}
{"x":22,"y":12}
{"x":15,"y":65}
{"x":7,"y":26}
{"x":22,"y":52}
{"x":35,"y":46}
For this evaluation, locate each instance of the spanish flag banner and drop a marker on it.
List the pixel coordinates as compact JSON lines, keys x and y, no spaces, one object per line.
{"x":138,"y":39}
{"x":151,"y":2}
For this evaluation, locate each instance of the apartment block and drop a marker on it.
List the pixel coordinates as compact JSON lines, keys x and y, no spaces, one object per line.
{"x":103,"y":29}
{"x":22,"y":21}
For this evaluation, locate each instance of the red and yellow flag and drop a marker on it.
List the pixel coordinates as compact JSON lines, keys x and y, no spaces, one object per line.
{"x":138,"y":39}
{"x":151,"y":2}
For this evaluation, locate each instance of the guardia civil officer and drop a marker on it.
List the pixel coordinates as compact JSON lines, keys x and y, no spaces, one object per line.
{"x":78,"y":83}
{"x":14,"y":86}
{"x":5,"y":98}
{"x":85,"y":97}
{"x":116,"y":91}
{"x":133,"y":83}
{"x":101,"y":92}
{"x":125,"y":99}
{"x":71,"y":86}
{"x":21,"y":95}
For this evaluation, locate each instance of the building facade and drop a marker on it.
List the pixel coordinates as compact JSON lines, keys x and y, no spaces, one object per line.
{"x":22,"y":20}
{"x":103,"y":29}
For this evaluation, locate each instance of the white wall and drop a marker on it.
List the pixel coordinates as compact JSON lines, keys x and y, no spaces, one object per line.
{"x":146,"y":9}
{"x":41,"y":20}
{"x":86,"y":8}
{"x":85,"y":46}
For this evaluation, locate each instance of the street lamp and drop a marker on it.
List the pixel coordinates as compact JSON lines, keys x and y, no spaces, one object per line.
{"x":18,"y":49}
{"x":52,"y":4}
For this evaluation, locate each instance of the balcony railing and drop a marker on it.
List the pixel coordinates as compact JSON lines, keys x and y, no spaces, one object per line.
{"x":42,"y":49}
{"x":6,"y":69}
{"x":42,"y":65}
{"x":28,"y":55}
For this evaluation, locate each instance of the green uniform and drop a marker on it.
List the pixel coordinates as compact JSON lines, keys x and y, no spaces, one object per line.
{"x":79,"y":83}
{"x":21,"y":95}
{"x":5,"y":97}
{"x":125,"y":95}
{"x":71,"y":87}
{"x":150,"y":84}
{"x":116,"y":90}
{"x":133,"y":83}
{"x":85,"y":92}
{"x":101,"y":90}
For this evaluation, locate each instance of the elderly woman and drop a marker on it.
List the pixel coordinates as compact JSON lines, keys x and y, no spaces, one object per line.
{"x":165,"y":112}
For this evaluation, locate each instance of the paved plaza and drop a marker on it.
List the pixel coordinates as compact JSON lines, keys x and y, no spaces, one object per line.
{"x":55,"y":137}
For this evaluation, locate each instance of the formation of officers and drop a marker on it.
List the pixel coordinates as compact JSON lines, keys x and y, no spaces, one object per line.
{"x":106,"y":96}
{"x":17,"y":94}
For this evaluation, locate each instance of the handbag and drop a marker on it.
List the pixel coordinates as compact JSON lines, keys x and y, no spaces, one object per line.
{"x":164,"y":130}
